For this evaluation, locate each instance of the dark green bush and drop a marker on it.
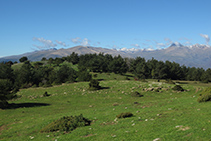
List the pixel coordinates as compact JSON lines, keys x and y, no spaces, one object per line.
{"x":205,"y":95}
{"x":46,"y":94}
{"x":169,"y":81}
{"x":94,"y":85}
{"x":156,"y":90}
{"x":178,"y":88}
{"x":95,"y":75}
{"x":125,"y":115}
{"x":136,"y":94}
{"x":67,"y":124}
{"x":204,"y":98}
{"x":143,"y":80}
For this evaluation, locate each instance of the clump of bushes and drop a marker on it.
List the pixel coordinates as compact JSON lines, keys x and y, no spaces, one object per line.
{"x":143,"y":80}
{"x":178,"y":88}
{"x":205,"y":95}
{"x":136,"y":94}
{"x":67,"y":124}
{"x":46,"y":94}
{"x":125,"y":115}
{"x":169,"y":81}
{"x":94,"y":84}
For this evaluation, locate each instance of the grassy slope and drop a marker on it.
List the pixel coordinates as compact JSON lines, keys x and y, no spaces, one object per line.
{"x":155,"y":116}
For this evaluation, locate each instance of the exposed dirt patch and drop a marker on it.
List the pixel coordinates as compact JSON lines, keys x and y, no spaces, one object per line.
{"x":183,"y":128}
{"x":3,"y":127}
{"x":89,"y":135}
{"x":108,"y":123}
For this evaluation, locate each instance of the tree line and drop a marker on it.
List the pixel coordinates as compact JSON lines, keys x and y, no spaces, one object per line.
{"x":48,"y":72}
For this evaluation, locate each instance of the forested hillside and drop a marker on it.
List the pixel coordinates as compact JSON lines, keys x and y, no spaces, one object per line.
{"x":75,"y":68}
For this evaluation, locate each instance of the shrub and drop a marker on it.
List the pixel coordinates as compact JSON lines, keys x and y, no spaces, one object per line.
{"x":169,"y":81}
{"x":136,"y":94}
{"x":66,"y":124}
{"x":95,"y":75}
{"x":143,"y":80}
{"x":94,"y":85}
{"x":156,"y":90}
{"x":125,"y":115}
{"x":177,"y":88}
{"x":127,"y":78}
{"x":205,"y":95}
{"x":204,"y":98}
{"x":46,"y":94}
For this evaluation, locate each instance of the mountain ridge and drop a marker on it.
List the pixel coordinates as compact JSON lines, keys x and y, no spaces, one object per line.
{"x":192,"y":56}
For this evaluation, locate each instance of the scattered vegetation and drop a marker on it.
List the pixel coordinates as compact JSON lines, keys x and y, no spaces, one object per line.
{"x":46,"y":94}
{"x":66,"y":124}
{"x":178,"y":88}
{"x":94,"y":84}
{"x":205,"y":95}
{"x":125,"y":115}
{"x":169,"y":81}
{"x":136,"y":94}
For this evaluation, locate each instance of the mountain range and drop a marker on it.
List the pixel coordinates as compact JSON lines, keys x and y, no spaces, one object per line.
{"x":192,"y":56}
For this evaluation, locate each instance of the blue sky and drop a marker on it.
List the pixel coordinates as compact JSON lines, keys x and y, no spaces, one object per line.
{"x":28,"y":25}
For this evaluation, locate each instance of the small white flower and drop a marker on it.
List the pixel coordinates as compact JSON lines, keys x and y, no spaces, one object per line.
{"x":146,"y":119}
{"x":157,"y":139}
{"x":133,"y":124}
{"x":114,"y":136}
{"x":178,"y":126}
{"x":48,"y":136}
{"x":125,"y":107}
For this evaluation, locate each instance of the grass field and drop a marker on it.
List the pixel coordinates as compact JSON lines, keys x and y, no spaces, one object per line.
{"x":166,"y":115}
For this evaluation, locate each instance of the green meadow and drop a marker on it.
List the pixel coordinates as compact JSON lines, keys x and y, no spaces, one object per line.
{"x":164,"y":115}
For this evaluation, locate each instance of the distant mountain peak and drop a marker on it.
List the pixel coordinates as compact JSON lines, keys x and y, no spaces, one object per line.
{"x":176,"y":44}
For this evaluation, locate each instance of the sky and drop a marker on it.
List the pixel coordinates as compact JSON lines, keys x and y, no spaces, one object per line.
{"x":29,"y":25}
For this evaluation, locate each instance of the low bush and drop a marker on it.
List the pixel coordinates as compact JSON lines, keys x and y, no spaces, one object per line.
{"x":205,"y":95}
{"x":178,"y":88}
{"x":169,"y":81}
{"x":46,"y":94}
{"x":125,"y":115}
{"x":67,"y":124}
{"x":136,"y":94}
{"x":94,"y":85}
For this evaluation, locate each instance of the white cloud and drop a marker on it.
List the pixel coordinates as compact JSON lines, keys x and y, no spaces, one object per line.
{"x":61,"y":43}
{"x":135,"y":45}
{"x":160,"y":45}
{"x":76,"y":40}
{"x":85,"y":42}
{"x":169,"y":41}
{"x":46,"y":43}
{"x":206,"y":37}
{"x":128,"y":49}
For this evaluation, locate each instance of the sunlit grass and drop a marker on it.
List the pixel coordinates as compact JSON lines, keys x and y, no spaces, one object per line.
{"x":167,"y":115}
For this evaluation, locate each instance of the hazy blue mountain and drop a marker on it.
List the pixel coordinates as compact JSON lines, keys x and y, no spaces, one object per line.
{"x":193,"y":56}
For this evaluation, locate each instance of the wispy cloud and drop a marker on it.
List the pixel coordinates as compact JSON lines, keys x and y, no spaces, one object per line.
{"x":61,"y":43}
{"x":76,"y":40}
{"x":206,"y":37}
{"x":168,"y":41}
{"x":46,"y":43}
{"x":160,"y":45}
{"x":85,"y":42}
{"x":135,"y":45}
